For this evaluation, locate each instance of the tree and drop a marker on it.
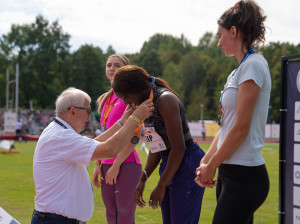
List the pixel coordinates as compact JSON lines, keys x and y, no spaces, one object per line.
{"x":88,"y":71}
{"x":155,"y":42}
{"x":193,"y":109}
{"x":273,"y":53}
{"x":165,"y":42}
{"x":174,"y":78}
{"x":171,"y":56}
{"x":4,"y":64}
{"x":190,"y":68}
{"x":109,"y":51}
{"x":40,"y":49}
{"x":202,"y":80}
{"x":206,"y":41}
{"x":151,"y":62}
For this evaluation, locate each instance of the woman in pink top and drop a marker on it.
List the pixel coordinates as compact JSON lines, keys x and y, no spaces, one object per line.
{"x":117,"y":177}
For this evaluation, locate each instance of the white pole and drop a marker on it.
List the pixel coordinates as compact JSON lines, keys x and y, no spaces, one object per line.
{"x":17,"y":89}
{"x":7,"y":88}
{"x":201,"y":105}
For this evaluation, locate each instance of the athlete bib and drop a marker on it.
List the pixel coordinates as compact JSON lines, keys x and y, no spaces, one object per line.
{"x":155,"y":142}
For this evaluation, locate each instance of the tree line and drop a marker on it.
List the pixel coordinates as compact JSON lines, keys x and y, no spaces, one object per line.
{"x":197,"y":73}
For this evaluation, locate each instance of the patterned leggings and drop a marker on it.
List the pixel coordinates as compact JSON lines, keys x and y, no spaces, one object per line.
{"x":119,"y":198}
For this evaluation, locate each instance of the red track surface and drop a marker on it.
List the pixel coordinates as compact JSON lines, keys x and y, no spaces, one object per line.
{"x":24,"y":137}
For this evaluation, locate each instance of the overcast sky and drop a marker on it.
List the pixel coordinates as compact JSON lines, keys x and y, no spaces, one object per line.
{"x":127,"y":24}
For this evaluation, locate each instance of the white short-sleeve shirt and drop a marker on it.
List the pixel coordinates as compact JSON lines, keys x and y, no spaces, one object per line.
{"x":255,"y":68}
{"x":62,"y":182}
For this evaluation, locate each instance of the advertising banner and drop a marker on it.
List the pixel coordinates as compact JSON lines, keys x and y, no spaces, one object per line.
{"x":10,"y":120}
{"x":289,"y":156}
{"x":6,"y":218}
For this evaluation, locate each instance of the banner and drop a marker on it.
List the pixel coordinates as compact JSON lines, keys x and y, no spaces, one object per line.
{"x":10,"y":120}
{"x":289,"y":147}
{"x":5,"y":218}
{"x":211,"y":128}
{"x":6,"y":144}
{"x":271,"y":130}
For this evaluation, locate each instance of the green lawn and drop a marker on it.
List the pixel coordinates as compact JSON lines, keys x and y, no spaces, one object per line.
{"x":17,"y":189}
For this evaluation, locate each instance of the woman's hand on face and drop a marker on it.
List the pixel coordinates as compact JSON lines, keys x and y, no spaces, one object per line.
{"x":139,"y":194}
{"x":144,"y":110}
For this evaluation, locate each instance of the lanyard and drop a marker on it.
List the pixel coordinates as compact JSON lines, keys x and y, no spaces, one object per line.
{"x":108,"y":107}
{"x":64,"y":126}
{"x":250,"y":51}
{"x":137,"y":130}
{"x":58,"y":122}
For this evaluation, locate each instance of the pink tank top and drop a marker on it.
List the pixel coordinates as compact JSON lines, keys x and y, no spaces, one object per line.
{"x":114,"y":115}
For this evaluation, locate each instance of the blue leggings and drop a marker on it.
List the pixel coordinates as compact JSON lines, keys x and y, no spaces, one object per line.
{"x":183,"y":198}
{"x":241,"y":190}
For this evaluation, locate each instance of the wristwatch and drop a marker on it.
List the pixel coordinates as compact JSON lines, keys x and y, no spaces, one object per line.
{"x":135,"y":140}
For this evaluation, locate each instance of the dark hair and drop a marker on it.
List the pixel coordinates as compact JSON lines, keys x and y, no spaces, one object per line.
{"x":134,"y":79}
{"x":248,"y":18}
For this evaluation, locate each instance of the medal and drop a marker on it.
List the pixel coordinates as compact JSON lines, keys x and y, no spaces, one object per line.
{"x":220,"y":118}
{"x":135,"y":139}
{"x":103,"y":128}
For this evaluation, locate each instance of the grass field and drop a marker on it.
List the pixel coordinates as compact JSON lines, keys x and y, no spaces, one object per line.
{"x":17,"y":189}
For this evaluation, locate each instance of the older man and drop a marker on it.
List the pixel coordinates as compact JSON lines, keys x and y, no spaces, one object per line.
{"x":63,"y":189}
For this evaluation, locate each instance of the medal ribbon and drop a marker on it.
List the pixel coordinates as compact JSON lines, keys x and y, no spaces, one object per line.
{"x":137,"y":130}
{"x":108,"y":107}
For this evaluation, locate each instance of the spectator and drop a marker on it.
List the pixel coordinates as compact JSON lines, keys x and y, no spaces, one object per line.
{"x":203,"y":131}
{"x":19,"y":130}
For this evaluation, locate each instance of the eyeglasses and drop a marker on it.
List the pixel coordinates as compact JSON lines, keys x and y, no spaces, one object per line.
{"x":88,"y":110}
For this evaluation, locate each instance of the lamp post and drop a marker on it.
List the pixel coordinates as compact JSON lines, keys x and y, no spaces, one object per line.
{"x":270,"y":125}
{"x":201,"y":116}
{"x":8,"y":82}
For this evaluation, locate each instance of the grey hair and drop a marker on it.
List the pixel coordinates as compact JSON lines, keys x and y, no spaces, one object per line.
{"x":70,"y":97}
